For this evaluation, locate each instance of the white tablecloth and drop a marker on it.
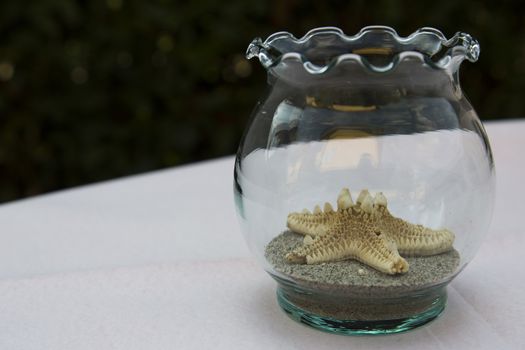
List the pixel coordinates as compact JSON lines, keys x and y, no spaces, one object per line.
{"x":157,"y":261}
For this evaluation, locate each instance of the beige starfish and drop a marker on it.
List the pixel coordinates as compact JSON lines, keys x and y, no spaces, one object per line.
{"x":365,"y":231}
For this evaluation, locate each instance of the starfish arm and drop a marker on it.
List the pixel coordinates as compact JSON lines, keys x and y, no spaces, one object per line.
{"x":416,"y":239}
{"x":428,"y":242}
{"x":308,"y":224}
{"x":381,"y":253}
{"x":328,"y":247}
{"x":318,"y":223}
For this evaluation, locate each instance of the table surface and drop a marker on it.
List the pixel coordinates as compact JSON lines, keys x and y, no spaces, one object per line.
{"x":157,"y":261}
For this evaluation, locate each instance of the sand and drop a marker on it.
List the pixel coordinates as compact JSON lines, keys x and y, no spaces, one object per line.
{"x":350,"y":290}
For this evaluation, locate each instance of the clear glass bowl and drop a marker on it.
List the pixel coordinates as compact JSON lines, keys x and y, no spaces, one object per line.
{"x":383,"y":116}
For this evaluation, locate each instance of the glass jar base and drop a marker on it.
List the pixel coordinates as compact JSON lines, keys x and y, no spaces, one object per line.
{"x":361,"y":327}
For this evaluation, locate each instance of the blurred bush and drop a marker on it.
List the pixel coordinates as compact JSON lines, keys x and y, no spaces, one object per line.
{"x":91,"y":90}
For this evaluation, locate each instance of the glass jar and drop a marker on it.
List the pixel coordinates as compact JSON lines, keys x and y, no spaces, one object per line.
{"x":364,"y":182}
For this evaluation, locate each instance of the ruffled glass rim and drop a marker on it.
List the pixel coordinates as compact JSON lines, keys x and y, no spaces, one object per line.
{"x":427,"y":44}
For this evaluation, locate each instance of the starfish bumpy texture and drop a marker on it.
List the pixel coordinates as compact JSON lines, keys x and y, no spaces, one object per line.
{"x":365,"y":231}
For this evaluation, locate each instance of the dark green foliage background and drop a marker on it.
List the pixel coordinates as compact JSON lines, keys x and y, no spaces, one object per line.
{"x":102,"y":89}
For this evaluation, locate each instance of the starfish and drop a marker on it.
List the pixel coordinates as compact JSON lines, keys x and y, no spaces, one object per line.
{"x":365,"y":231}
